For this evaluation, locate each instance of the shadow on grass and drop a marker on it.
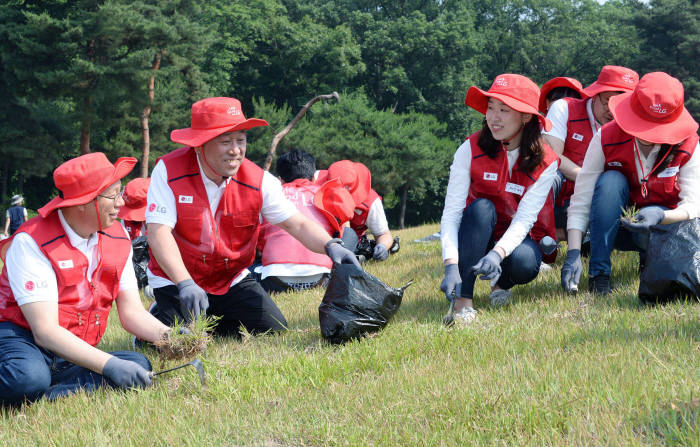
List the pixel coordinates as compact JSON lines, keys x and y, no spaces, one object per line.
{"x":622,"y":334}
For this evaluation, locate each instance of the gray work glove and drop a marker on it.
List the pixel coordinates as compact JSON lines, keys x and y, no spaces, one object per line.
{"x":489,"y":267}
{"x":571,"y":271}
{"x":451,"y":285}
{"x":380,"y":253}
{"x":340,"y":254}
{"x":193,"y":299}
{"x":646,"y":218}
{"x":126,"y":374}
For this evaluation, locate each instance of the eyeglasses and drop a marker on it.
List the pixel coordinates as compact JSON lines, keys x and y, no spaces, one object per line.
{"x":114,"y":197}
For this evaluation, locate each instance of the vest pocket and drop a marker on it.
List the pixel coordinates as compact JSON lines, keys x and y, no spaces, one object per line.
{"x":239,"y":230}
{"x":190,"y":220}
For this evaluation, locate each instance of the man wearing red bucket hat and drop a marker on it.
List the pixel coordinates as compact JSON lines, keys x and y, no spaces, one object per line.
{"x":574,"y":121}
{"x":63,"y":270}
{"x":203,"y":216}
{"x":558,"y":88}
{"x":648,"y":158}
{"x":503,"y":174}
{"x":369,"y":211}
{"x":286,"y":263}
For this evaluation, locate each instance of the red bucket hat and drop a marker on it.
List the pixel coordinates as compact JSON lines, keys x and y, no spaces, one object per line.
{"x":553,"y":83}
{"x":654,"y":111}
{"x":81,"y":179}
{"x":514,"y":90}
{"x":212,"y":117}
{"x":335,"y":202}
{"x":354,"y":176}
{"x":613,"y":79}
{"x":135,"y":195}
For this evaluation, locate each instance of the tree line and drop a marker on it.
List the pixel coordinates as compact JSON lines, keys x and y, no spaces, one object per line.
{"x":117,"y":76}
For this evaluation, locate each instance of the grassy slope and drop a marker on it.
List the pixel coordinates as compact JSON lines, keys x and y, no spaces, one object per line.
{"x":549,"y":369}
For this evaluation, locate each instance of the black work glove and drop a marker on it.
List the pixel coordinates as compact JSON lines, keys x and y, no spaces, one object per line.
{"x":126,"y":374}
{"x":193,"y":299}
{"x":571,"y":271}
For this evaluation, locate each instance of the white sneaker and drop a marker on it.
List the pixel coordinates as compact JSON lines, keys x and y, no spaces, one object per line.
{"x":500,"y":297}
{"x":465,"y":316}
{"x":545,"y":267}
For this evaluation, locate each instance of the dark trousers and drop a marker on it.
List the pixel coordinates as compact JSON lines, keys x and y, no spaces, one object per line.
{"x":476,"y":239}
{"x":245,"y":304}
{"x":28,"y":372}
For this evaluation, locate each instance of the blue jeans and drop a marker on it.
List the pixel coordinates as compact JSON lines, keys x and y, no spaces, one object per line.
{"x":476,"y":239}
{"x":28,"y":372}
{"x":611,"y":194}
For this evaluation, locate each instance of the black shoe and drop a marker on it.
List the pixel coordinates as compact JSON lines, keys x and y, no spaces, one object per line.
{"x":395,"y":247}
{"x":599,"y":285}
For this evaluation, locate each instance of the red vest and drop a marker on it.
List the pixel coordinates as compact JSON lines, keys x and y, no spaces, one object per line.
{"x":359,"y":218}
{"x":578,"y":136}
{"x":215,"y":248}
{"x":134,"y":228}
{"x":278,"y":246}
{"x":662,"y":187}
{"x":490,"y":180}
{"x":83,"y":306}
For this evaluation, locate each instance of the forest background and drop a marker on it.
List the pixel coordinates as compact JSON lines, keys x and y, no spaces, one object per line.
{"x":117,"y":76}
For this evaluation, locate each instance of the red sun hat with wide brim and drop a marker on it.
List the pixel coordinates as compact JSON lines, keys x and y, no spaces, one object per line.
{"x":82,"y":179}
{"x":514,"y":90}
{"x":613,"y":78}
{"x":654,"y":111}
{"x":212,"y":117}
{"x":553,"y":83}
{"x":135,"y":197}
{"x":335,"y":202}
{"x":355,"y":177}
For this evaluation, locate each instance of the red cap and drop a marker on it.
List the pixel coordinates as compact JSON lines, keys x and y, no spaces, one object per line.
{"x":654,"y":111}
{"x":335,"y":202}
{"x":354,"y":176}
{"x":81,"y":179}
{"x":135,"y":195}
{"x":212,"y":117}
{"x":514,"y":90}
{"x":613,"y":79}
{"x":553,"y":83}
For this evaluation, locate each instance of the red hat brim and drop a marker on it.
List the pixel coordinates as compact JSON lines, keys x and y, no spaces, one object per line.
{"x":122,"y":167}
{"x":362,"y":175}
{"x":638,"y":126}
{"x":478,"y":100}
{"x":197,"y":137}
{"x":597,"y":88}
{"x":136,"y":214}
{"x":336,"y":221}
{"x":550,"y":85}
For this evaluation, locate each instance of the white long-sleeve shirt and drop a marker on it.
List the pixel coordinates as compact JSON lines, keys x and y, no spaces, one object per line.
{"x":456,"y":199}
{"x":594,"y":165}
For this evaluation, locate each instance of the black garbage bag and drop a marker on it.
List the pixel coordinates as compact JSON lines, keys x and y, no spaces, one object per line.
{"x":672,"y":269}
{"x":140,"y":259}
{"x":356,"y":303}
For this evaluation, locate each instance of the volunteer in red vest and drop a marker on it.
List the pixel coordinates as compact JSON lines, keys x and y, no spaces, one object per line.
{"x":558,"y":88}
{"x":133,"y":213}
{"x":500,"y":182}
{"x":286,"y":263}
{"x":648,"y":157}
{"x":63,"y":271}
{"x":204,"y":211}
{"x":369,"y":211}
{"x":574,"y":121}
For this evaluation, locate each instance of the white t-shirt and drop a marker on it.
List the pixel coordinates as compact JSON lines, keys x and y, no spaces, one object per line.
{"x":456,"y":198}
{"x":558,"y":114}
{"x":594,"y":165}
{"x":32,"y":278}
{"x":275,"y":206}
{"x":376,"y":218}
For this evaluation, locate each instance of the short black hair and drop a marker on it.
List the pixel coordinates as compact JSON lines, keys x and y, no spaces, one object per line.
{"x":562,"y":92}
{"x":296,"y":164}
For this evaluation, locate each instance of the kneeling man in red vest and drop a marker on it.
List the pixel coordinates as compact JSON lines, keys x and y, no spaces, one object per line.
{"x":205,"y":205}
{"x":63,"y":270}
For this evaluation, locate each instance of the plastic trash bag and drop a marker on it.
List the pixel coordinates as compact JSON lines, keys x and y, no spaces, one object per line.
{"x":673,"y":263}
{"x":356,"y":303}
{"x":140,"y":259}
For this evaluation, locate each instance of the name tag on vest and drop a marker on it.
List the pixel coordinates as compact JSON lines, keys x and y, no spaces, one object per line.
{"x":515,"y":188}
{"x":615,"y":163}
{"x":490,"y":176}
{"x":669,"y":172}
{"x":67,"y":264}
{"x":184,"y":199}
{"x":577,"y":136}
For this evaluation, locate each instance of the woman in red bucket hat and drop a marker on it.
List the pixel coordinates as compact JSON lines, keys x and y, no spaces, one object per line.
{"x":286,"y":263}
{"x":558,"y":88}
{"x":205,"y":204}
{"x":503,"y":175}
{"x":63,"y":271}
{"x":647,"y":157}
{"x":574,"y":121}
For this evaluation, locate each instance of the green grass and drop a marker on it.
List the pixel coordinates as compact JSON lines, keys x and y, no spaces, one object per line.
{"x":547,"y":370}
